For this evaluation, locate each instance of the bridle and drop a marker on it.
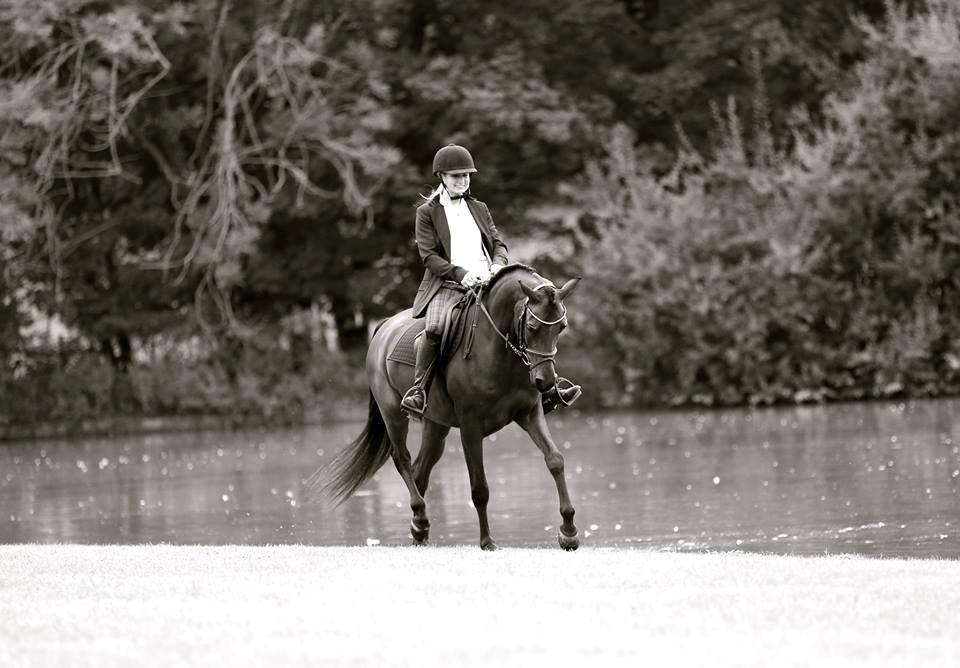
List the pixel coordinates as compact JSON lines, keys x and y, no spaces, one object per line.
{"x":526,"y":351}
{"x":520,"y":349}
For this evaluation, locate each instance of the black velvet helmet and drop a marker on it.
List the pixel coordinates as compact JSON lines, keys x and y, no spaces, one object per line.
{"x":453,"y":158}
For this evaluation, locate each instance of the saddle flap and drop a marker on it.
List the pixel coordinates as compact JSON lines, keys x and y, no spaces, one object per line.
{"x":405,"y":348}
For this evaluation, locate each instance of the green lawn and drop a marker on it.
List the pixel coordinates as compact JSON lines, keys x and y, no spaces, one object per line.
{"x":72,"y":605}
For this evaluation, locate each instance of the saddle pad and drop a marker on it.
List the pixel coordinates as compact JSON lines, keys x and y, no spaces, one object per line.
{"x":405,"y":351}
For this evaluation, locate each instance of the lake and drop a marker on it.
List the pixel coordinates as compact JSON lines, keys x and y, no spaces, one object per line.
{"x":876,"y":479}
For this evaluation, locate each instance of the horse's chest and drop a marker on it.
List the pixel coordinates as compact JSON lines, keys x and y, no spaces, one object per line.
{"x":496,"y":411}
{"x":487,"y":396}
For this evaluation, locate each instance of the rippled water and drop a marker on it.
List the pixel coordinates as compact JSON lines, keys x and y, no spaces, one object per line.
{"x":877,"y":479}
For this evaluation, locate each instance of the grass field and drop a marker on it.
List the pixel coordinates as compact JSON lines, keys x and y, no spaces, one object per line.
{"x":70,"y":605}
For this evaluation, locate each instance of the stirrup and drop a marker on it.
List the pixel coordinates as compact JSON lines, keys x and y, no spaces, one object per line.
{"x":409,"y":397}
{"x":558,"y":396}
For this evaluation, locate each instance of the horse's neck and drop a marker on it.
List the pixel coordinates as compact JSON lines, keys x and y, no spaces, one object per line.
{"x":501,"y":305}
{"x":500,"y":302}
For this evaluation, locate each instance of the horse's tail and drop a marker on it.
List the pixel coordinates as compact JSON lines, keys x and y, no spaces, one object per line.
{"x":356,"y":463}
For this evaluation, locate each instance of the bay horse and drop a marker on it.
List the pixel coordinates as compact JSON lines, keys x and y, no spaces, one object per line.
{"x":510,"y":348}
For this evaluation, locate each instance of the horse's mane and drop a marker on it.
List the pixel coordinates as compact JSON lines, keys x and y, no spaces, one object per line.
{"x":509,"y":269}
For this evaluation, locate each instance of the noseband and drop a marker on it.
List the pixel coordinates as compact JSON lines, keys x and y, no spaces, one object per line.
{"x":520,"y":349}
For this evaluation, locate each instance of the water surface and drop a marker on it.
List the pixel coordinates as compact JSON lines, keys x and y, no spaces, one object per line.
{"x":875,"y":479}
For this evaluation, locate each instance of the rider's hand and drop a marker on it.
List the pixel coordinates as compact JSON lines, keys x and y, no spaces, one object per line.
{"x":472,"y":279}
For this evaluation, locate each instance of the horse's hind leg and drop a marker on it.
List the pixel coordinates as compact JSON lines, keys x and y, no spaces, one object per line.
{"x":397,"y":427}
{"x":431,"y":449}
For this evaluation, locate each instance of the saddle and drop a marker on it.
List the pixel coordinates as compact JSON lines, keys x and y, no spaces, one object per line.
{"x":404,"y":351}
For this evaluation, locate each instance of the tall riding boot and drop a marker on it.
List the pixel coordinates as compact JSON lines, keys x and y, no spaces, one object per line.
{"x":415,"y":400}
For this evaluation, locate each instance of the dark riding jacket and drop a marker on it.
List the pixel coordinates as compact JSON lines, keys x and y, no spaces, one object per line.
{"x":433,"y":242}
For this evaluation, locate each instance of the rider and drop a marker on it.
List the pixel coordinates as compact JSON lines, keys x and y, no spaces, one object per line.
{"x":459,"y":246}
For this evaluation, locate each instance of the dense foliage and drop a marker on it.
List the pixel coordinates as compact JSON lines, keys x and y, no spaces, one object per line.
{"x":206,"y":203}
{"x":819,"y":265}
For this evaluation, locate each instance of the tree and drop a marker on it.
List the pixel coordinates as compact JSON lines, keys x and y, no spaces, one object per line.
{"x":182,"y":186}
{"x":765,"y":271}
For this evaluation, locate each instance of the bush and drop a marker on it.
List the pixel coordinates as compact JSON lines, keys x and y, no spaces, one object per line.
{"x":816,"y":266}
{"x":264,"y":385}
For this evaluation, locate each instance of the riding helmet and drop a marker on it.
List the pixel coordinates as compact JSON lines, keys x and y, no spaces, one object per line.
{"x":453,"y":158}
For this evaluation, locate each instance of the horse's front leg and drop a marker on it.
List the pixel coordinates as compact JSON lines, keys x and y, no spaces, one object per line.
{"x":536,"y":425}
{"x":472,"y":438}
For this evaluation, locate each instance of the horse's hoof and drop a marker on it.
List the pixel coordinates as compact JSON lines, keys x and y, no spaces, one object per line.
{"x":489,"y":546}
{"x":569,"y":543}
{"x":419,"y":535}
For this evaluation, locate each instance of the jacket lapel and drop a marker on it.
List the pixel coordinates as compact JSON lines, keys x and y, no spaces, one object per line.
{"x":442,"y":227}
{"x":481,"y":222}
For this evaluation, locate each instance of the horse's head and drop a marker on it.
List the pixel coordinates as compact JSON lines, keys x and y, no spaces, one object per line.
{"x":527,"y":313}
{"x":540,"y":318}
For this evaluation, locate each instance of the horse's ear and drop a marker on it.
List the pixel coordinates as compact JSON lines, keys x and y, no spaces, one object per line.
{"x":532,"y":294}
{"x":567,"y":288}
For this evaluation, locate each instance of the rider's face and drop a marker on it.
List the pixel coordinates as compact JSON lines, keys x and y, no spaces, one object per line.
{"x":456,"y":183}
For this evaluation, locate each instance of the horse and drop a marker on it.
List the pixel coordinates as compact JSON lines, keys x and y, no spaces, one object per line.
{"x":506,"y":358}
